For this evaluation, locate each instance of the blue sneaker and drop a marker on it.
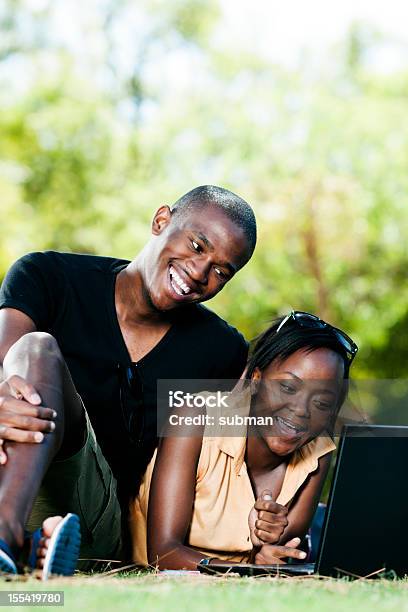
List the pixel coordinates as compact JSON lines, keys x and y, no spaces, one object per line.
{"x":7,"y":560}
{"x":63,"y":548}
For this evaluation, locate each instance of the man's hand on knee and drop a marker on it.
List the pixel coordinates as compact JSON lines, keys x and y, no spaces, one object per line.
{"x":22,"y":418}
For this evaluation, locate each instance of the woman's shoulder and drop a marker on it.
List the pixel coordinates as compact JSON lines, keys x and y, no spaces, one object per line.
{"x":309,"y":454}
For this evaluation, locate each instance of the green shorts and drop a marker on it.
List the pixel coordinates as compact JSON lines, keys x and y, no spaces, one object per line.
{"x":83,"y":484}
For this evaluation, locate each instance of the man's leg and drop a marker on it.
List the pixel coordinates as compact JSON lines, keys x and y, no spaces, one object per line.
{"x":37,"y":358}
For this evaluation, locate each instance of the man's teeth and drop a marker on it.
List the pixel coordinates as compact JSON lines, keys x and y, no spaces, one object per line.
{"x":178,"y":285}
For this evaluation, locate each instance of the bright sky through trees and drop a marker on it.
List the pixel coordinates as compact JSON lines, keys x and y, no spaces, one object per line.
{"x":283,"y":30}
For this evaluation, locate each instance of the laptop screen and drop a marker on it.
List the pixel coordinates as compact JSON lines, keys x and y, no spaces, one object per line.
{"x":365,"y":527}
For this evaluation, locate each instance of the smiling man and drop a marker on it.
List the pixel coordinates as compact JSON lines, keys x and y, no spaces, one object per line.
{"x":96,"y":332}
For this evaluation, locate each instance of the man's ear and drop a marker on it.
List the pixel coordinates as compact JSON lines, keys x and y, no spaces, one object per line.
{"x":161,"y":220}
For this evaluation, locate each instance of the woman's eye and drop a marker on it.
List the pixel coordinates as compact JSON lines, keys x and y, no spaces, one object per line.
{"x":323,"y":405}
{"x":196,"y":246}
{"x":287,"y":388}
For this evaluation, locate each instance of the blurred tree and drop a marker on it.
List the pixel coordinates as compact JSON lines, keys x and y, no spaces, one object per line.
{"x":92,"y":139}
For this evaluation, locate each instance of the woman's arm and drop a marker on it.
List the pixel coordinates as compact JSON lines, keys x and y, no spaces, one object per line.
{"x":303,"y":508}
{"x":170,"y":510}
{"x":171,"y":502}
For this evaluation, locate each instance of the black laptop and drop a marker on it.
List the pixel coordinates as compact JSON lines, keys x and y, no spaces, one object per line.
{"x":365,"y":532}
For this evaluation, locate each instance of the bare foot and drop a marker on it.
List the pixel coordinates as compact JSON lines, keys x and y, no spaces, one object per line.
{"x":48,"y":528}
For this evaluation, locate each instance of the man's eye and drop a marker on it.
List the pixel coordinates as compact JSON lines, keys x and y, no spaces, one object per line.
{"x":287,"y":388}
{"x":220,"y":273}
{"x":196,"y":246}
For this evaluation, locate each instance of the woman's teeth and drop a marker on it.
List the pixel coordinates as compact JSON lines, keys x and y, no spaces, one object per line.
{"x":288,"y":426}
{"x":178,"y":284}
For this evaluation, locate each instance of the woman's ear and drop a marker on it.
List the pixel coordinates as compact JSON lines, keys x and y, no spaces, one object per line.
{"x":161,"y":220}
{"x":255,"y":381}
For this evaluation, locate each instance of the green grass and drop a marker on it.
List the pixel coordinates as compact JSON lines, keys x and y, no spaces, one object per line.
{"x":193,"y":594}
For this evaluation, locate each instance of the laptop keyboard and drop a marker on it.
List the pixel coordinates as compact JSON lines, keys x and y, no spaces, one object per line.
{"x":296,"y":568}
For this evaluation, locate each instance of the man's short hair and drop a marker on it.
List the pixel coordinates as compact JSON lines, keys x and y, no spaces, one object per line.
{"x":233,"y":206}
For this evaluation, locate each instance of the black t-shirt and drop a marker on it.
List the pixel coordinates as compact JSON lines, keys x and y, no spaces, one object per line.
{"x":72,"y":297}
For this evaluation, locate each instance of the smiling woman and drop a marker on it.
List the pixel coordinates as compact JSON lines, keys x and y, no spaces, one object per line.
{"x":249,"y":493}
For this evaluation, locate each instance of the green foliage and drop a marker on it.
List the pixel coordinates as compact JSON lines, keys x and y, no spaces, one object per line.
{"x":90,"y":148}
{"x":192,"y":19}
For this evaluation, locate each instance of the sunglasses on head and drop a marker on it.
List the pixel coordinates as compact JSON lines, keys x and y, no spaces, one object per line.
{"x":311,"y":321}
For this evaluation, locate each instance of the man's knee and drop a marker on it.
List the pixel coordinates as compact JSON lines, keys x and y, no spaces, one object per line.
{"x":36,"y":344}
